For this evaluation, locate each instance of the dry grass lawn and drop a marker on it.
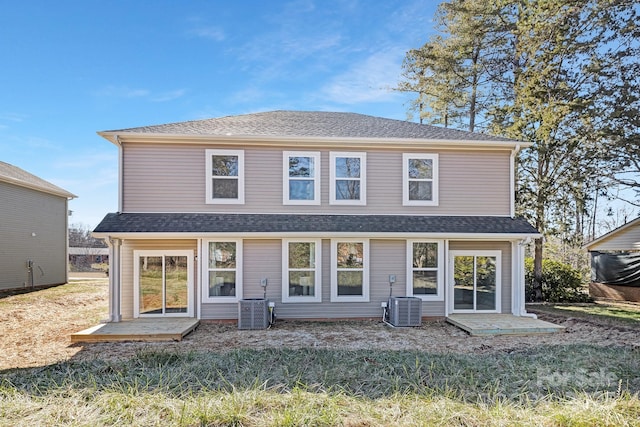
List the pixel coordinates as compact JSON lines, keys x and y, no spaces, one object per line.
{"x":35,"y":329}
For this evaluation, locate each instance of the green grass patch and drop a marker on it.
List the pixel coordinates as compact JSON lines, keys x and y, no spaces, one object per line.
{"x":574,"y":385}
{"x":628,"y":315}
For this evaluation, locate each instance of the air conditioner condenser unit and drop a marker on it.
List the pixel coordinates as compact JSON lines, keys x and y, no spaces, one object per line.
{"x":405,"y":311}
{"x":253,"y":313}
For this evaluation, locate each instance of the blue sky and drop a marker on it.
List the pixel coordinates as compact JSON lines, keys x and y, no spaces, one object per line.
{"x":72,"y":68}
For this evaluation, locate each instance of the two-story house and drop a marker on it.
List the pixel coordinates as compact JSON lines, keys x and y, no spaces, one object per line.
{"x":332,"y":211}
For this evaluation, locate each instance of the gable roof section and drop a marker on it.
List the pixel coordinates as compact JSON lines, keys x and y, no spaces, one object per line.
{"x":202,"y":223}
{"x":15,"y":175}
{"x":624,"y":238}
{"x":307,"y":125}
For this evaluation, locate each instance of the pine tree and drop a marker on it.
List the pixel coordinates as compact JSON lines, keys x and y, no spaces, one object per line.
{"x":552,"y":72}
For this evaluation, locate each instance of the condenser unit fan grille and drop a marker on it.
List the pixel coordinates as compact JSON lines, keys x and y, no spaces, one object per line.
{"x":405,"y":311}
{"x":253,"y":313}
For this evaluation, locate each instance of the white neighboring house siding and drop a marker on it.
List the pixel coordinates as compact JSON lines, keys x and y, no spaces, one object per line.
{"x":33,"y":226}
{"x":170,"y":178}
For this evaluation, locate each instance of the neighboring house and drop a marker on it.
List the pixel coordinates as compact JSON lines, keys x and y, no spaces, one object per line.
{"x":33,"y":230}
{"x":615,"y":263}
{"x":83,"y":259}
{"x":324,"y":208}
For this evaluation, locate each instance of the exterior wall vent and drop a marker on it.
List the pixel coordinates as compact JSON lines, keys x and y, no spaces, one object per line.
{"x":253,"y":313}
{"x":405,"y":311}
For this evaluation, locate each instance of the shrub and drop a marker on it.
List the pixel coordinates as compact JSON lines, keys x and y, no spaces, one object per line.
{"x":560,"y":282}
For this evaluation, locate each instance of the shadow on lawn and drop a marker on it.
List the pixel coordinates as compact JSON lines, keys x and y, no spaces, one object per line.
{"x":555,"y":372}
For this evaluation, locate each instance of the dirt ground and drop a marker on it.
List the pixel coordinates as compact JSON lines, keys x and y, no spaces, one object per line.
{"x":35,"y":331}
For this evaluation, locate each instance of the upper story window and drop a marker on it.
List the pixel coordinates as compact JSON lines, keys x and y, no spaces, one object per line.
{"x":348,"y":179}
{"x":301,"y":178}
{"x":225,"y":176}
{"x":419,"y":179}
{"x":425,"y":269}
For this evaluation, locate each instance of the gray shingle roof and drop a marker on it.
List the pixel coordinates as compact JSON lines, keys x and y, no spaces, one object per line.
{"x":290,"y":223}
{"x":311,"y":124}
{"x":17,"y":176}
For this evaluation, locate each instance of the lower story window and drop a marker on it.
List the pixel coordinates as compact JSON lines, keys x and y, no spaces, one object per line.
{"x":223,"y":281}
{"x":301,"y":271}
{"x":424,"y":267}
{"x":350,"y":270}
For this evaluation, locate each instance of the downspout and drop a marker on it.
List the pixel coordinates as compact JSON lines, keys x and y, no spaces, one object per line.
{"x":512,"y":181}
{"x":66,"y":245}
{"x":446,"y":278}
{"x":120,"y":174}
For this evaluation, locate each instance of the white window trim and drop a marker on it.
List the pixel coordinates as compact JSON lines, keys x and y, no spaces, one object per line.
{"x":209,"y":177}
{"x":363,"y":178}
{"x":205,"y":272}
{"x":405,"y":180}
{"x":136,"y":281}
{"x":439,"y":296}
{"x":286,"y":298}
{"x":334,"y":272}
{"x":285,"y":177}
{"x":488,"y":253}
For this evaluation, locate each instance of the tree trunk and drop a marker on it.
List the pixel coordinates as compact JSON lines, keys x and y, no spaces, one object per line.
{"x":537,"y":271}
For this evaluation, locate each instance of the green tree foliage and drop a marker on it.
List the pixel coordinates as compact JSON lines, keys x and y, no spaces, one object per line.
{"x":560,"y":283}
{"x":551,"y":72}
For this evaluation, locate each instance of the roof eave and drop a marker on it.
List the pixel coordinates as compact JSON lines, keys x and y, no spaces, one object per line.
{"x":324,"y":234}
{"x":610,"y":234}
{"x":117,"y":138}
{"x":20,"y":183}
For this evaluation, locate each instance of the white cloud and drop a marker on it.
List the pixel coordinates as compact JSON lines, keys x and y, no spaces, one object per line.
{"x":369,"y":80}
{"x":13,"y":117}
{"x":168,"y":96}
{"x":129,"y":93}
{"x":121,"y":92}
{"x":212,"y":33}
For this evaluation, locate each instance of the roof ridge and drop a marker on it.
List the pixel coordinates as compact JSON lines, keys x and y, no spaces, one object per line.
{"x":297,"y":123}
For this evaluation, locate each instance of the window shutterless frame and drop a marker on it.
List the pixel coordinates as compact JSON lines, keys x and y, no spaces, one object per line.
{"x":221,"y":270}
{"x":301,"y":270}
{"x":301,"y":178}
{"x":224,"y":176}
{"x":419,"y":179}
{"x":350,"y":270}
{"x":348,"y":183}
{"x":425,"y":269}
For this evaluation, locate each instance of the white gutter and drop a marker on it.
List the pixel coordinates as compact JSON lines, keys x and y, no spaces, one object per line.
{"x":512,"y":181}
{"x":120,"y":174}
{"x":307,"y":141}
{"x":322,"y":234}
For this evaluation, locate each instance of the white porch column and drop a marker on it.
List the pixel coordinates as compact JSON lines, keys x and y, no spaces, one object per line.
{"x":114,"y":280}
{"x":517,"y":287}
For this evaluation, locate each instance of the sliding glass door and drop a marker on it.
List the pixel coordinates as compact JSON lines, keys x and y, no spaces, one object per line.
{"x":163,"y":283}
{"x":475,"y":281}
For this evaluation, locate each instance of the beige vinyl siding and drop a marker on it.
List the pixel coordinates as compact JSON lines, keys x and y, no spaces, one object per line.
{"x":171,"y":178}
{"x":263,"y":259}
{"x":260,"y":259}
{"x":23,"y":213}
{"x":505,"y":248}
{"x":126,"y":279}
